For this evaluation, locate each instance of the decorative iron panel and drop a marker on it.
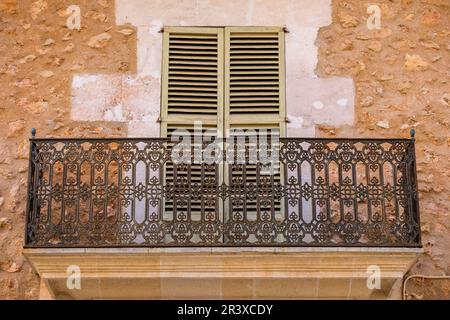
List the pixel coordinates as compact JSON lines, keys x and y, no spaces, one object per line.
{"x":113,"y":193}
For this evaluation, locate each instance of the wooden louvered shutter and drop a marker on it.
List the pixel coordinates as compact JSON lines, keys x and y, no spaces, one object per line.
{"x":228,"y":78}
{"x":197,"y":205}
{"x":192,"y":90}
{"x":254,"y":77}
{"x":192,"y":83}
{"x":254,"y":99}
{"x":253,"y":176}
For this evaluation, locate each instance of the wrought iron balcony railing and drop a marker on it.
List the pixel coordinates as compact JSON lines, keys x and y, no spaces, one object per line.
{"x":128,"y":192}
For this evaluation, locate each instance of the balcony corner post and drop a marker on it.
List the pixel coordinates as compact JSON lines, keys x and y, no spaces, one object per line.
{"x":30,"y":187}
{"x":415,"y":214}
{"x":412,"y":132}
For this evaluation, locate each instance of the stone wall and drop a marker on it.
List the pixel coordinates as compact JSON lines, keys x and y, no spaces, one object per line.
{"x":402,"y":78}
{"x":39,"y":57}
{"x":342,"y":80}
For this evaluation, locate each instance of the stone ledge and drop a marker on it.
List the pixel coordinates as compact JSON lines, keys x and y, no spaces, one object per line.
{"x":220,"y":273}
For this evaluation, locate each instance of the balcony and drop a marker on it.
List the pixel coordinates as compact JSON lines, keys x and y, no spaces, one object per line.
{"x":98,"y":202}
{"x":127,"y":192}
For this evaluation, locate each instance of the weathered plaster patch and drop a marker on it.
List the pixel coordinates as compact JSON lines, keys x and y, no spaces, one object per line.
{"x":249,"y":17}
{"x":342,"y":102}
{"x":149,"y":49}
{"x":301,"y":53}
{"x":172,"y":12}
{"x":94,"y":95}
{"x":115,"y":97}
{"x":145,"y":128}
{"x":318,"y":104}
{"x":299,"y":126}
{"x":296,"y":122}
{"x":336,"y":112}
{"x":114,"y":114}
{"x":81,"y":80}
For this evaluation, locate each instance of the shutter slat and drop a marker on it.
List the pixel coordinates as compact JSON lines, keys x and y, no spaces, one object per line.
{"x":254,"y":110}
{"x":238,"y":50}
{"x":176,"y":67}
{"x":255,"y":77}
{"x":183,"y":89}
{"x":197,"y":72}
{"x":200,"y":99}
{"x":253,"y":63}
{"x":193,"y":110}
{"x":195,"y":63}
{"x":197,"y":103}
{"x":200,"y":53}
{"x":254,"y":72}
{"x":193,"y":77}
{"x":192,"y":94}
{"x":248,"y":88}
{"x":253,"y":94}
{"x":193,"y":36}
{"x":188,"y":57}
{"x":251,"y":55}
{"x":190,"y":42}
{"x":253,"y":35}
{"x":255,"y":99}
{"x":246,"y":83}
{"x":193,"y":83}
{"x":256,"y":46}
{"x":256,"y":103}
{"x":250,"y":68}
{"x":181,"y":47}
{"x":237,"y":41}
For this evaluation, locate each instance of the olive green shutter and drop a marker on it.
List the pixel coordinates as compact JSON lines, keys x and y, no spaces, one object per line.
{"x":228,"y":78}
{"x":254,"y":78}
{"x":192,"y":83}
{"x":254,"y":99}
{"x":192,"y":90}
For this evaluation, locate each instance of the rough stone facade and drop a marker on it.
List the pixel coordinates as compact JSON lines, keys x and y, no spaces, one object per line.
{"x":38,"y":59}
{"x":343,"y":80}
{"x":402,"y":78}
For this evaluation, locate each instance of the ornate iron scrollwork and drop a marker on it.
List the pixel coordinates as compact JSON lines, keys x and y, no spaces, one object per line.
{"x":120,"y":192}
